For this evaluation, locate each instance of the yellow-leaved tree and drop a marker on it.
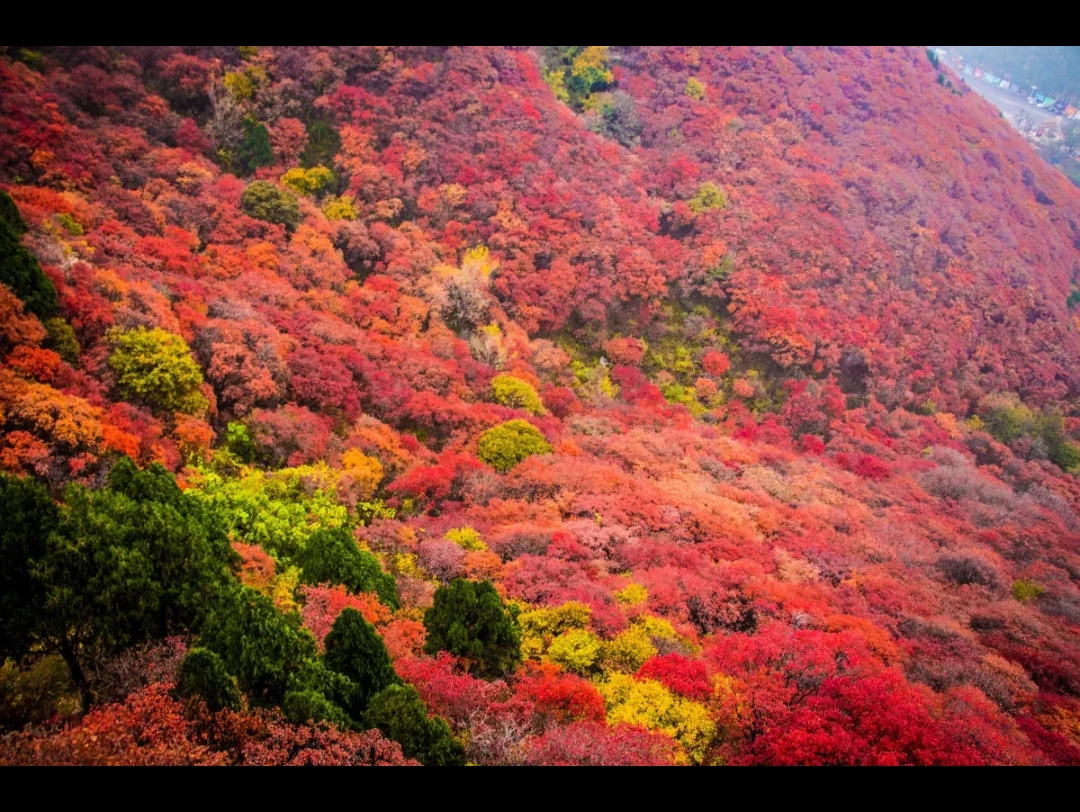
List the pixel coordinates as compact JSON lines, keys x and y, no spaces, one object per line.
{"x":539,"y":627}
{"x":648,"y":703}
{"x":155,"y":367}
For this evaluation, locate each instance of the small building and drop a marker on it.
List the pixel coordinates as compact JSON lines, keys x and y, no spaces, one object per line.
{"x":1070,"y":111}
{"x":969,"y":70}
{"x":1004,"y":85}
{"x":978,"y":73}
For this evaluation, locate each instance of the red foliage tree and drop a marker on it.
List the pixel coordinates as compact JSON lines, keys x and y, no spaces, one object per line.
{"x":561,"y":698}
{"x":589,"y":744}
{"x":689,"y":678}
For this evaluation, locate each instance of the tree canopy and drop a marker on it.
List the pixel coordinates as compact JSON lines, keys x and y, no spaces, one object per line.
{"x":469,"y":620}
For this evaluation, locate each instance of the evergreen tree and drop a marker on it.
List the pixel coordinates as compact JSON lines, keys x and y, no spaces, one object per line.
{"x":27,"y":516}
{"x":317,"y":694}
{"x":355,"y":650}
{"x":19,"y":270}
{"x":203,"y":674}
{"x":263,"y":647}
{"x":400,"y":714}
{"x":322,"y":146}
{"x":255,"y":149}
{"x":134,"y":561}
{"x":9,"y":213}
{"x":302,"y":707}
{"x":469,"y":621}
{"x":331,"y":556}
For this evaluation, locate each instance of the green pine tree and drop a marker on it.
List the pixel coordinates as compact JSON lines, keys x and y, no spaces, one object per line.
{"x":355,"y":650}
{"x":400,"y":714}
{"x":469,"y":620}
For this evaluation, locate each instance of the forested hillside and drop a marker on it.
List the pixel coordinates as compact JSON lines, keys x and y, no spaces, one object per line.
{"x":566,"y":405}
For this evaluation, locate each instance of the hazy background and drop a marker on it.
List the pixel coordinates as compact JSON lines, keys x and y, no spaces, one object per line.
{"x":1047,"y":70}
{"x":1054,"y":69}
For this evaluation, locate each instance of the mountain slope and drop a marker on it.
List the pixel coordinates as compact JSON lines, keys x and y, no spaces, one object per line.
{"x":893,"y":215}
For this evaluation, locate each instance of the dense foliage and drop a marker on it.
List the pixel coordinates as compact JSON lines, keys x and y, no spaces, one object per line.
{"x":505,"y":445}
{"x":468,"y":620}
{"x":399,"y":713}
{"x":332,"y":557}
{"x":156,"y":368}
{"x":570,"y":405}
{"x":19,"y":270}
{"x":355,"y":650}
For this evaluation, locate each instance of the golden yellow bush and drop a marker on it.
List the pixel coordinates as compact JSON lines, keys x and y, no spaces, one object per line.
{"x":576,"y":650}
{"x":539,"y":627}
{"x":651,"y":705}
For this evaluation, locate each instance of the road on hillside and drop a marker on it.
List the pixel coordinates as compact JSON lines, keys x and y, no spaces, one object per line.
{"x":1009,"y":104}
